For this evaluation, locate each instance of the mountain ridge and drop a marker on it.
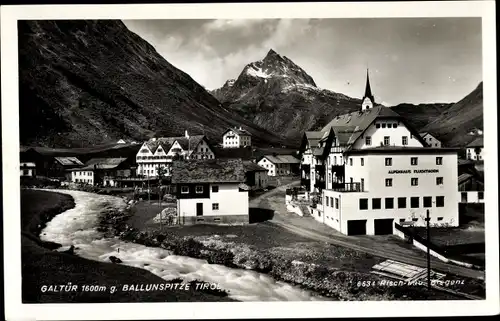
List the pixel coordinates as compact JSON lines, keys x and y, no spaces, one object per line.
{"x":85,"y":82}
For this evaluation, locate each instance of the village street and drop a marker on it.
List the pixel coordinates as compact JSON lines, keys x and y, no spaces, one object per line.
{"x":383,"y":246}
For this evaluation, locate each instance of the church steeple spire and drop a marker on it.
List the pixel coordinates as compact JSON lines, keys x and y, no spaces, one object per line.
{"x":368,"y":99}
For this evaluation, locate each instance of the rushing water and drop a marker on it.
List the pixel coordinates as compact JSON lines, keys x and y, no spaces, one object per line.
{"x":77,"y":227}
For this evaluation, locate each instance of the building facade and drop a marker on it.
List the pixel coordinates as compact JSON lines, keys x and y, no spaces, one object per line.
{"x":236,"y":138}
{"x":156,"y":155}
{"x":256,"y":176}
{"x":474,"y":150}
{"x":371,"y":169}
{"x":279,"y":165}
{"x":28,"y":169}
{"x":211,"y":191}
{"x":85,"y":177}
{"x":431,"y":140}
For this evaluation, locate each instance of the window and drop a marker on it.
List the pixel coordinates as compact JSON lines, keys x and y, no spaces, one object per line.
{"x":401,"y":202}
{"x":362,"y":162}
{"x":387,"y":140}
{"x":405,"y":140}
{"x":383,"y":125}
{"x":439,"y":181}
{"x":25,"y":172}
{"x":440,"y":218}
{"x":327,"y":201}
{"x":389,"y":125}
{"x":215,"y":206}
{"x":329,"y":177}
{"x":350,"y":161}
{"x":401,"y":220}
{"x":414,"y":202}
{"x":185,"y":189}
{"x":414,"y":181}
{"x":395,"y":125}
{"x":439,"y":201}
{"x":439,"y":160}
{"x":368,"y":140}
{"x":414,"y":161}
{"x":415,"y":219}
{"x":427,"y":201}
{"x":363,"y":203}
{"x":388,"y":161}
{"x":215,"y":189}
{"x":388,"y":182}
{"x":480,"y":195}
{"x":331,"y":201}
{"x":337,"y":203}
{"x":389,"y":203}
{"x":377,"y":125}
{"x":376,"y":203}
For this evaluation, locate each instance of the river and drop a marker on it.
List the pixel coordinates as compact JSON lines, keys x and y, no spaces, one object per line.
{"x":77,"y":227}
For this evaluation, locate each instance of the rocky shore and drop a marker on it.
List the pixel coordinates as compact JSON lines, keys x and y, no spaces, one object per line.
{"x":326,"y":281}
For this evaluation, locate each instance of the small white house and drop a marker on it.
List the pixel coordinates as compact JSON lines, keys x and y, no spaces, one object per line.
{"x":82,"y":176}
{"x":475,"y":149}
{"x":279,"y":165}
{"x":236,"y":138}
{"x":431,"y":140}
{"x":28,"y":169}
{"x":211,"y":191}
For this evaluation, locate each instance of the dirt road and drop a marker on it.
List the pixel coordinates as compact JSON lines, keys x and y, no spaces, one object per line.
{"x":383,"y":246}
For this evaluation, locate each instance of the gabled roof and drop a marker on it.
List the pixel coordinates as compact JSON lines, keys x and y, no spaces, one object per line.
{"x":282,"y":159}
{"x":253,"y":167}
{"x":68,"y":161}
{"x":103,"y":163}
{"x":368,"y":89}
{"x":313,"y":138}
{"x":238,"y":131}
{"x":208,"y":171}
{"x":423,"y":134}
{"x":464,"y":177}
{"x":349,"y":127}
{"x":167,"y":142}
{"x":478,"y":142}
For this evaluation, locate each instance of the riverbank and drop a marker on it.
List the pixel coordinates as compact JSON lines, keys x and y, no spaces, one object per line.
{"x":328,"y":270}
{"x":43,"y":266}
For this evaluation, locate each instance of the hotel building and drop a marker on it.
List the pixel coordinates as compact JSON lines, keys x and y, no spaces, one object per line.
{"x":371,"y":169}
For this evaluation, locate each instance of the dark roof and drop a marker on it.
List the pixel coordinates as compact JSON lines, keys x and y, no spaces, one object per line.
{"x":401,"y":149}
{"x":368,"y":90}
{"x":69,"y":161}
{"x":313,"y":138}
{"x":282,"y":159}
{"x":103,"y":163}
{"x":253,"y":167}
{"x":241,"y":152}
{"x":208,"y":171}
{"x":167,"y":142}
{"x":478,"y":142}
{"x":464,"y":177}
{"x":462,"y":162}
{"x":348,"y":127}
{"x":238,"y":131}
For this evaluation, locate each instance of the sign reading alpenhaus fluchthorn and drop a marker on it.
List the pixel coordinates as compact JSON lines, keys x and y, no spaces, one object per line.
{"x":415,"y":171}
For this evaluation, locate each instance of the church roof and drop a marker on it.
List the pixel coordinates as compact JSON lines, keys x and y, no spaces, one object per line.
{"x":167,"y":142}
{"x":348,"y":127}
{"x":368,"y":90}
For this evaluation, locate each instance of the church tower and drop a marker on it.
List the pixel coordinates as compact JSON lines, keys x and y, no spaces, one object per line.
{"x":368,"y":99}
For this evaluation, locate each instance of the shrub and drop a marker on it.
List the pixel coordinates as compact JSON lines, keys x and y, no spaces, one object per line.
{"x":221,"y":257}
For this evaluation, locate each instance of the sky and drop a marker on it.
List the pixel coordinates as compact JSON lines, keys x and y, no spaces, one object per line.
{"x":411,"y":60}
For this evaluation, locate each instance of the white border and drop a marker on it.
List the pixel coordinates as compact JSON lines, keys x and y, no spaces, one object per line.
{"x":10,"y":134}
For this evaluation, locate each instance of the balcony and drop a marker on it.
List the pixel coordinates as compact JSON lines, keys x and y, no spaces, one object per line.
{"x":305,"y":182}
{"x":347,"y":187}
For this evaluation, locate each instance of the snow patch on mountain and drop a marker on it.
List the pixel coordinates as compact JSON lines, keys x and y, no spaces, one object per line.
{"x":257,"y":72}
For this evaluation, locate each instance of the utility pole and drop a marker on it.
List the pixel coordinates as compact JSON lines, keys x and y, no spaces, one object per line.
{"x":428,"y":251}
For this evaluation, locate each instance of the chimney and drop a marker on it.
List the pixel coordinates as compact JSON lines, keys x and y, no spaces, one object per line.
{"x":153,"y":139}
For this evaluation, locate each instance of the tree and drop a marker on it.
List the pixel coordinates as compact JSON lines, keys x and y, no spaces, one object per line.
{"x":162,"y":172}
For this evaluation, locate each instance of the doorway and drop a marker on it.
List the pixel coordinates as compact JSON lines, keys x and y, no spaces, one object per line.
{"x":199,"y":209}
{"x":383,"y":226}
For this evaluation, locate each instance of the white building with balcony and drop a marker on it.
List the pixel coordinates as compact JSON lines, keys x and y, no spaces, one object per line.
{"x":474,"y":149}
{"x":158,"y":153}
{"x":236,"y":138}
{"x":371,"y":169}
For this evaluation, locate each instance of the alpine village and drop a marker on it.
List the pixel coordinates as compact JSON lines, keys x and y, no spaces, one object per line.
{"x":268,"y":173}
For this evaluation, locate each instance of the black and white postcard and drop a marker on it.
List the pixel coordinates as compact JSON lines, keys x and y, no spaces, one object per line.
{"x":249,"y":160}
